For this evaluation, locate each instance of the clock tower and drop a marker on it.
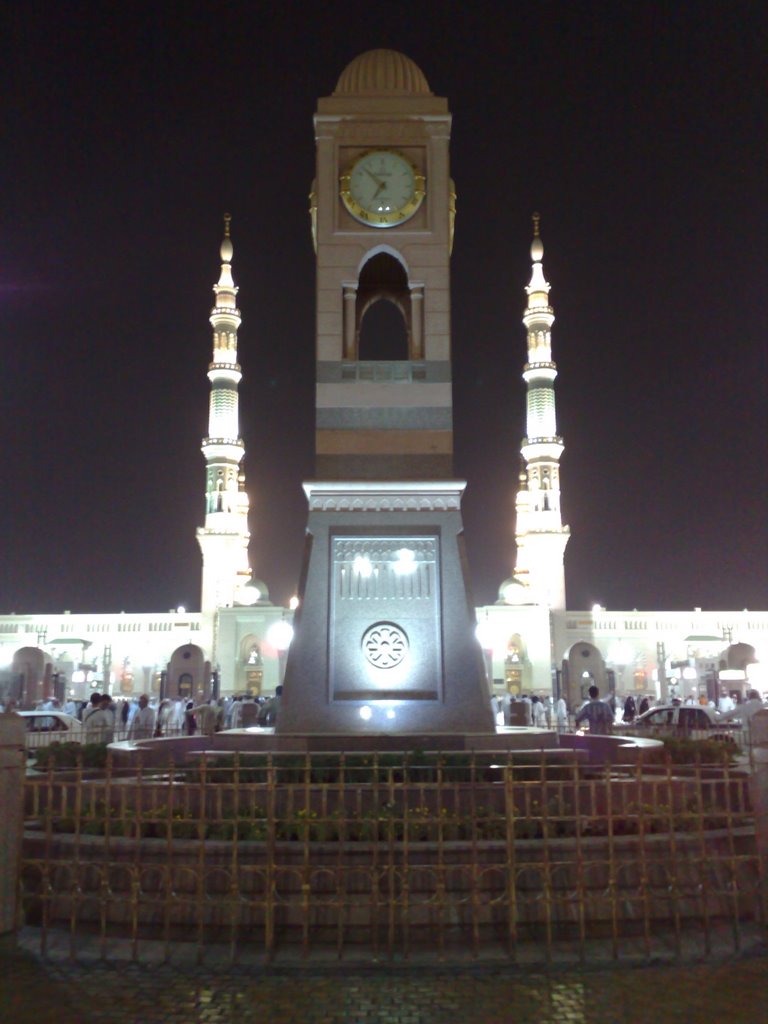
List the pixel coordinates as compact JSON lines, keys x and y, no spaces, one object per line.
{"x":384,"y":637}
{"x":383,"y":220}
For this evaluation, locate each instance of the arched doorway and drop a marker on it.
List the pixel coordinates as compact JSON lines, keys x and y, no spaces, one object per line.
{"x":583,"y":666}
{"x":383,"y":314}
{"x":382,"y":332}
{"x":517,"y":667}
{"x":250,"y":670}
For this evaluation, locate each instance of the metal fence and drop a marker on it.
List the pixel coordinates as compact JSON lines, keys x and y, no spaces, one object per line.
{"x":39,"y":738}
{"x":382,"y":857}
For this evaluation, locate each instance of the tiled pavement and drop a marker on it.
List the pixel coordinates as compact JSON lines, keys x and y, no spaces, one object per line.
{"x":32,"y":991}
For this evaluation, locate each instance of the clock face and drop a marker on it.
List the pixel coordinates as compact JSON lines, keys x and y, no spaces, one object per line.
{"x":382,"y":188}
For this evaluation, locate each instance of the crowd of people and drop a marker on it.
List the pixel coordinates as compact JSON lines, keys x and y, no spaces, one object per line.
{"x":530,"y":709}
{"x":106,"y":719}
{"x":600,"y":715}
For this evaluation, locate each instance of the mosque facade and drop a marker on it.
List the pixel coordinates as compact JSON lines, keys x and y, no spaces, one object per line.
{"x":383,"y":210}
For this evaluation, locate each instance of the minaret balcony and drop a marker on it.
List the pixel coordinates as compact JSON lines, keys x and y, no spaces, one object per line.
{"x":226,"y":312}
{"x":542,"y":448}
{"x":538,"y":314}
{"x":223,"y":449}
{"x":224,"y":371}
{"x":539,"y":371}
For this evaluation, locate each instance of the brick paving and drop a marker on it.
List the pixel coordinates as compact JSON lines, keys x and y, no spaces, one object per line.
{"x":55,"y":991}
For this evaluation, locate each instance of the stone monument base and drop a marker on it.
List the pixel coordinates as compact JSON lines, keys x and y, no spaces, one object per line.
{"x":384,"y":640}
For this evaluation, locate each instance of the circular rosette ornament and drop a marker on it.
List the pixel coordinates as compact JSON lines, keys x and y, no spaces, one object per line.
{"x":385,"y":645}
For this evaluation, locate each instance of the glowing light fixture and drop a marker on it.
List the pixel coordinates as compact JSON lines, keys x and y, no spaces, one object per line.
{"x":280,"y":635}
{"x":484,"y":634}
{"x":405,"y":562}
{"x":293,"y":604}
{"x":621,"y":653}
{"x":365,"y":712}
{"x":362,"y":566}
{"x":181,"y":610}
{"x":757,"y":674}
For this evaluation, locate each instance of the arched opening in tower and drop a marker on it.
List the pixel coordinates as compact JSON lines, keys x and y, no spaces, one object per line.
{"x":382,"y":333}
{"x":383,"y":310}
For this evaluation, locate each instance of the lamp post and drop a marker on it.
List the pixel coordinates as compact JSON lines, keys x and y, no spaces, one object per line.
{"x":661,"y":662}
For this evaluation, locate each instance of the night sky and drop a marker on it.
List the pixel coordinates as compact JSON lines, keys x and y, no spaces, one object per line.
{"x":638,"y":130}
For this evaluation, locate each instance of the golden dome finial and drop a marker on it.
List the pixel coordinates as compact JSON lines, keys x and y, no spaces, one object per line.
{"x":226,"y":244}
{"x":537,"y":246}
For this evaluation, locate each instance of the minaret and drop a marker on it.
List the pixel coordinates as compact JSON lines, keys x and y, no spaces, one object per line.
{"x":540,"y":534}
{"x":224,"y":538}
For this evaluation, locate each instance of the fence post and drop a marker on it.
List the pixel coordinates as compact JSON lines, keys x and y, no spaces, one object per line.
{"x":758,"y":791}
{"x":12,"y":767}
{"x":759,"y":777}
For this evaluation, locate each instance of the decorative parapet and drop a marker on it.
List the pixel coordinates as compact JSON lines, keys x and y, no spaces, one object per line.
{"x":365,"y":496}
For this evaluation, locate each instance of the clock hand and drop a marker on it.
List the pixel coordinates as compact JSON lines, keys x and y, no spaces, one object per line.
{"x":370,"y":174}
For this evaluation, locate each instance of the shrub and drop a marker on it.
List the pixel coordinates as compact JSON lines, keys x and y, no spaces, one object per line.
{"x":683,"y":750}
{"x":70,"y":755}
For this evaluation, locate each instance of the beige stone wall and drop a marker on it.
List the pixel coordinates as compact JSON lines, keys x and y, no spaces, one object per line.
{"x":360,"y":419}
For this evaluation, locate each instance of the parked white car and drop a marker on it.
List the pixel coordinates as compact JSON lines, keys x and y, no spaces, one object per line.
{"x":693,"y":721}
{"x":46,"y":727}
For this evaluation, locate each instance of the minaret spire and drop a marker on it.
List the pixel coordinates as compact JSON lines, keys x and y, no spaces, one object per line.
{"x":224,"y":538}
{"x":540,"y":535}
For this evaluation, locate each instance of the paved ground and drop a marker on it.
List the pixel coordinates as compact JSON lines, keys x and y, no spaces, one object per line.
{"x":32,"y":991}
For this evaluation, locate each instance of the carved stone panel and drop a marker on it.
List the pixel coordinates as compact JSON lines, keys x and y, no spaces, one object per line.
{"x":385,"y":618}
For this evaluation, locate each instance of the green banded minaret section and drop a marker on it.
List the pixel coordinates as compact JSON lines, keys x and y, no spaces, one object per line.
{"x":384,"y":636}
{"x":383,"y":217}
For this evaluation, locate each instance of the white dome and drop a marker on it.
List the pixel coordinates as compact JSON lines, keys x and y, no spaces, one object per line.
{"x":515,"y":592}
{"x":254,"y":592}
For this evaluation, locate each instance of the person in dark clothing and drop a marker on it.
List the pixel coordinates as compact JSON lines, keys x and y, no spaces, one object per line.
{"x":268,"y":713}
{"x":190,"y":725}
{"x":630,"y":709}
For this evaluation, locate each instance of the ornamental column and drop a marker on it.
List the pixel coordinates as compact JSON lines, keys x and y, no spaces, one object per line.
{"x":417,"y":321}
{"x":350,"y":314}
